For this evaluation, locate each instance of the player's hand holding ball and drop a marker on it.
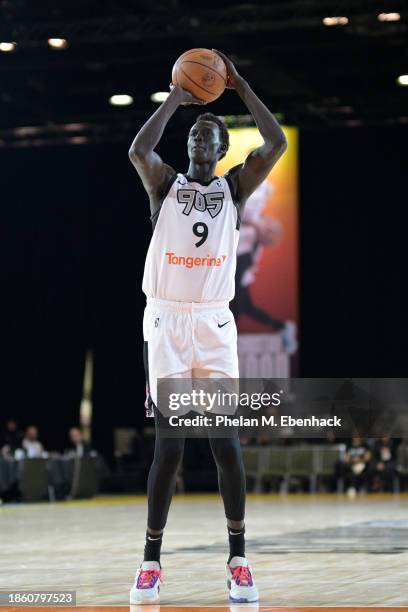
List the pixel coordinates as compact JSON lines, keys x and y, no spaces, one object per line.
{"x":233,"y":78}
{"x":184,"y":96}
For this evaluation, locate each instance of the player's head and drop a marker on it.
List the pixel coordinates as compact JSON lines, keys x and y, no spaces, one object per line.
{"x":208,"y":140}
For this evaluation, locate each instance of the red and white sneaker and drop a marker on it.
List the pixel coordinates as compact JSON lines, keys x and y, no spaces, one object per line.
{"x":241,"y":585}
{"x":147,"y":584}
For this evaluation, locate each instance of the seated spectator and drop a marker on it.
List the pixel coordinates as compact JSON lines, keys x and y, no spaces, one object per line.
{"x":354,"y":467}
{"x":31,"y":445}
{"x":383,"y":469}
{"x":11,"y":438}
{"x":78,"y":447}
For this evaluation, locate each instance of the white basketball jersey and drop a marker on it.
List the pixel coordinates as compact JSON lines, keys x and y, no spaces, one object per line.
{"x":192,"y":253}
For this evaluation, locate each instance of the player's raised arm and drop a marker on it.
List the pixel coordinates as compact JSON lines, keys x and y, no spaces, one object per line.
{"x":259,"y":162}
{"x":149,"y":165}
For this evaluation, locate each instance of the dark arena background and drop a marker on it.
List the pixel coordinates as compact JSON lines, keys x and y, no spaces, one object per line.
{"x":75,"y":231}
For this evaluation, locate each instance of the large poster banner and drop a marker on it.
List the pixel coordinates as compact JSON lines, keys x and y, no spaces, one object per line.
{"x":266,"y":297}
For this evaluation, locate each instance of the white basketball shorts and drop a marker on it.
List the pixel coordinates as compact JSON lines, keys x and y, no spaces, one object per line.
{"x":188,"y":340}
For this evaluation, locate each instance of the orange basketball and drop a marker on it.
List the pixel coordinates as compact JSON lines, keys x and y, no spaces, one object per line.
{"x":201,"y":72}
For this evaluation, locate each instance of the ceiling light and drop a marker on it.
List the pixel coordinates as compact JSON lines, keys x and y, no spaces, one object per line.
{"x":26,"y":131}
{"x":7,"y":46}
{"x":333,"y":21}
{"x":121,"y":100}
{"x":403,"y":79}
{"x":389,"y":17}
{"x":58,"y":43}
{"x":159,"y":96}
{"x":73,"y":127}
{"x":78,"y":139}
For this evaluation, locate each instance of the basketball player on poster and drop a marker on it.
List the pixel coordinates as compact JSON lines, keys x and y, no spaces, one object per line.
{"x":188,"y":328}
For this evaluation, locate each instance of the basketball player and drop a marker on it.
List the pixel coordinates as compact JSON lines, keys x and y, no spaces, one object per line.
{"x":189,"y":330}
{"x":256,"y":232}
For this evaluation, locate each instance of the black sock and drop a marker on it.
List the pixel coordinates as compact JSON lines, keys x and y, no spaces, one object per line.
{"x":152,"y":547}
{"x":236,"y":538}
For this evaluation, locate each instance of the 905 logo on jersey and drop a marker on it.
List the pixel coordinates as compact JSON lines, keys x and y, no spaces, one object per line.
{"x":208,"y":201}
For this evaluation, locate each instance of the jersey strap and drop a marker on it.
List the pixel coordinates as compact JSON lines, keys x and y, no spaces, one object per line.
{"x":234,"y":195}
{"x":155,"y":215}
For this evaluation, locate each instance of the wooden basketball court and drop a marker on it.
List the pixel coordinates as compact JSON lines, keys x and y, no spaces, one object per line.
{"x":232,"y":608}
{"x":305,"y":551}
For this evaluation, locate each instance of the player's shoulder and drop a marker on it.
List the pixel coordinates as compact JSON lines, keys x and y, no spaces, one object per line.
{"x":180,"y":178}
{"x":172,"y":179}
{"x":233,"y":172}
